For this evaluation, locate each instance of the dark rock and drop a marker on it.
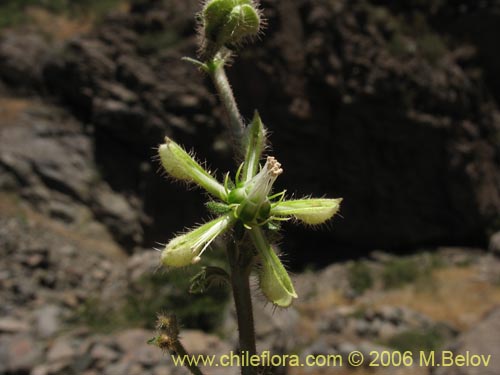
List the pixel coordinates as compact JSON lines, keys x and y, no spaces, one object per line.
{"x":75,"y":73}
{"x":118,"y":215}
{"x":119,"y":118}
{"x":368,"y":124}
{"x":21,"y":59}
{"x":135,"y":74}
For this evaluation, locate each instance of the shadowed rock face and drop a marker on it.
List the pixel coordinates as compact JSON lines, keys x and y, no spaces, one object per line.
{"x":362,"y":101}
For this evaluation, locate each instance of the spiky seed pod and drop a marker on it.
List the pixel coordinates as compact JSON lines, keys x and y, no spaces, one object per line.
{"x":274,"y":280}
{"x":182,"y":166}
{"x":167,"y":324}
{"x":312,"y":211}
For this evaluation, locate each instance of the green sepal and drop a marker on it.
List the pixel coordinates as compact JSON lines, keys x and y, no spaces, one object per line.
{"x":255,"y":142}
{"x":217,"y":208}
{"x":243,"y":22}
{"x":215,"y":16}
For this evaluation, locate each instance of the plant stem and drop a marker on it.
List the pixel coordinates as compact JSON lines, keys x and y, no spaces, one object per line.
{"x":182,"y":352}
{"x":241,"y":267}
{"x":219,"y":78}
{"x":240,"y":262}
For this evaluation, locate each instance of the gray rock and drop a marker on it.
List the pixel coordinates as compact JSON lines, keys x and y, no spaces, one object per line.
{"x":345,"y":348}
{"x":118,"y":215}
{"x":483,"y":339}
{"x":22,"y":353}
{"x":59,"y":155}
{"x":124,"y":367}
{"x":392,"y":314}
{"x":319,"y":347}
{"x":133,"y":344}
{"x":61,"y":351}
{"x":494,"y":245}
{"x":48,"y":320}
{"x":103,"y":353}
{"x":40,"y":370}
{"x":10,"y":325}
{"x":364,"y":328}
{"x":162,"y":370}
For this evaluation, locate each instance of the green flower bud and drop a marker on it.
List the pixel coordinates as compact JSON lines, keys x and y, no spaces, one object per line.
{"x":180,"y":165}
{"x":230,"y":21}
{"x":187,"y":248}
{"x":243,"y":22}
{"x":237,"y":195}
{"x":274,"y":280}
{"x":310,"y":211}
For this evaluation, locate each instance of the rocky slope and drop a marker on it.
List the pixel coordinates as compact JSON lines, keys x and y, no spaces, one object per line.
{"x":67,"y":301}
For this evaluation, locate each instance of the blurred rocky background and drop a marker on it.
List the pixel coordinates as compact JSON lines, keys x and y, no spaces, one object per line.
{"x":392,"y":105}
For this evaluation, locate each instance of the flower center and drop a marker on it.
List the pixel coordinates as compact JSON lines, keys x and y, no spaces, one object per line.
{"x":255,"y":205}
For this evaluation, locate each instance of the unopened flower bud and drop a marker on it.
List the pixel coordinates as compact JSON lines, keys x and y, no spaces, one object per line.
{"x":230,"y":21}
{"x":256,"y":205}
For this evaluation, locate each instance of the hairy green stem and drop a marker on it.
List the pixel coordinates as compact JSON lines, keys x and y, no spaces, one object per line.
{"x":236,"y":124}
{"x":179,"y":350}
{"x":240,"y":262}
{"x":241,"y":266}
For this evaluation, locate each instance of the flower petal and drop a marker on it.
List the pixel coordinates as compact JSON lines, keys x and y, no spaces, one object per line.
{"x":310,"y":211}
{"x":187,"y":248}
{"x":274,"y":279}
{"x":179,"y":164}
